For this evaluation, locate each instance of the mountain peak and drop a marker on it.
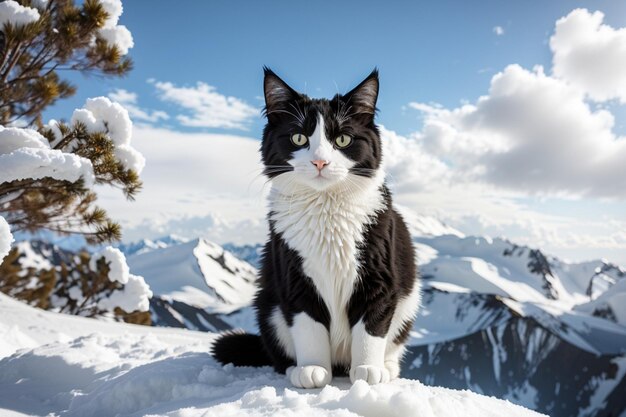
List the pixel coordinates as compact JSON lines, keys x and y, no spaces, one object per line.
{"x":198,"y":272}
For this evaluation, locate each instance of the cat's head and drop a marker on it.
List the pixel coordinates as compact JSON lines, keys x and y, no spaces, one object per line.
{"x":320,"y":144}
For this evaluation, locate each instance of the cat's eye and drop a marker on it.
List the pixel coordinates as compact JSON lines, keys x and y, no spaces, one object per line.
{"x":343,"y":141}
{"x":299,"y":139}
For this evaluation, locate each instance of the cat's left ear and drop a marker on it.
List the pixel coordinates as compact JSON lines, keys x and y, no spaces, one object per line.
{"x":363,"y":97}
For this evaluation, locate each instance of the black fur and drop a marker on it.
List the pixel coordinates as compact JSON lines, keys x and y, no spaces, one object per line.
{"x":387,"y":258}
{"x":241,"y":348}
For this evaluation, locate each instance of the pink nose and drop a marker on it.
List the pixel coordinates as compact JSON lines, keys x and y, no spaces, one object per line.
{"x":320,"y":164}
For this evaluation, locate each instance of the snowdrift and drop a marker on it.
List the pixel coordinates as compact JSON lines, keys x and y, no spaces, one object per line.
{"x":70,"y":366}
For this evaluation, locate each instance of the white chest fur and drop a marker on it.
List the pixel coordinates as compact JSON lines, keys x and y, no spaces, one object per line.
{"x":326,"y":228}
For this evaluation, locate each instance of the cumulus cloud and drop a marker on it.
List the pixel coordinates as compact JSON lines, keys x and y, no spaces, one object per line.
{"x":535,"y":132}
{"x":207,"y":107}
{"x":532,"y":132}
{"x":498,"y":30}
{"x":190,"y":176}
{"x":408,"y":167}
{"x":129,"y":101}
{"x":590,"y":55}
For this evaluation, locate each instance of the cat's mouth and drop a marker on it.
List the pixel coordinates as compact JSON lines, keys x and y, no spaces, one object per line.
{"x":321,"y":177}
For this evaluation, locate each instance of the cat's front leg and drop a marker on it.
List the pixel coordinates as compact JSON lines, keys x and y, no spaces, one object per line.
{"x":368,"y":355}
{"x":312,"y":346}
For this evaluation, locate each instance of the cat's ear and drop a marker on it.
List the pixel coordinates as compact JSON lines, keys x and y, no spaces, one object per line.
{"x":277,"y":93}
{"x":363,"y":97}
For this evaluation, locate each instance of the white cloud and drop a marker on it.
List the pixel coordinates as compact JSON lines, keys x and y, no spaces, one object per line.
{"x":590,"y":55}
{"x":129,"y":101}
{"x":531,"y":133}
{"x":207,"y":107}
{"x":195,"y":184}
{"x":498,"y":30}
{"x":408,"y":167}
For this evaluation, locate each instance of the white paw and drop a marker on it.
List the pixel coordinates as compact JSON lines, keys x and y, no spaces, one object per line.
{"x":311,"y":376}
{"x":369,"y":373}
{"x":393,"y":367}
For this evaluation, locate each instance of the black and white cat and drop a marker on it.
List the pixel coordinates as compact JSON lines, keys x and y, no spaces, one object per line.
{"x":338,"y":286}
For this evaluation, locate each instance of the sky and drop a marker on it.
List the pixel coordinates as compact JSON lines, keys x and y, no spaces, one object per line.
{"x":500,"y":118}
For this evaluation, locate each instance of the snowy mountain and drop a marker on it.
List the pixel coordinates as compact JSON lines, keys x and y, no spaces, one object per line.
{"x":509,"y":321}
{"x":60,"y":365}
{"x":147,"y":245}
{"x":248,"y":253}
{"x":198,"y":273}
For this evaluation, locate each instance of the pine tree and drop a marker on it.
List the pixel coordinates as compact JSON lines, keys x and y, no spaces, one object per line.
{"x":71,"y":288}
{"x":66,"y":37}
{"x":48,"y":171}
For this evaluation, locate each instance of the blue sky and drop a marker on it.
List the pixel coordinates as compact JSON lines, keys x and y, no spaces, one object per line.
{"x":435,"y":51}
{"x":440,"y":54}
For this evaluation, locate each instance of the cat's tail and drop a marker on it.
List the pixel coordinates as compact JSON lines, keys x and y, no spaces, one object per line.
{"x":240,"y":349}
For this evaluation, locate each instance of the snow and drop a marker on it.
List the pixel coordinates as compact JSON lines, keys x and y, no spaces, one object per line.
{"x":14,"y":138}
{"x":136,"y":293}
{"x":613,"y":298}
{"x":113,"y":33}
{"x":31,"y":259}
{"x":102,"y":115}
{"x":14,"y":13}
{"x":31,"y":163}
{"x":497,"y":266}
{"x":114,"y":9}
{"x":147,"y":245}
{"x":6,"y":238}
{"x":24,"y":154}
{"x":472,"y":283}
{"x":118,"y":269}
{"x":207,"y":276}
{"x":135,"y":296}
{"x":422,"y":225}
{"x":605,"y":388}
{"x":75,"y":366}
{"x":119,"y":36}
{"x":452,"y":313}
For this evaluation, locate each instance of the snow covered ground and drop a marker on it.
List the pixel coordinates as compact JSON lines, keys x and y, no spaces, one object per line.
{"x":62,"y":365}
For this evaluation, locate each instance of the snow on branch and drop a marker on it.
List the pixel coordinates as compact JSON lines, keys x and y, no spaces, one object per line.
{"x":113,"y":33}
{"x":5,"y":238}
{"x":102,"y":115}
{"x":135,"y":295}
{"x":13,"y":13}
{"x":26,"y":154}
{"x":118,"y":268}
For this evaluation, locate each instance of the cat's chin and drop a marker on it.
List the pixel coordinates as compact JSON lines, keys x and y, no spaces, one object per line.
{"x":320,"y":183}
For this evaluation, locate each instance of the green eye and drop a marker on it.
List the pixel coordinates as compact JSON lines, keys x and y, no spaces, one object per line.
{"x":343,"y":141}
{"x":299,"y":139}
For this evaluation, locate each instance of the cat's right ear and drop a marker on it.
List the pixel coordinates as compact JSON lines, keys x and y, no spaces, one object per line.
{"x":277,"y":94}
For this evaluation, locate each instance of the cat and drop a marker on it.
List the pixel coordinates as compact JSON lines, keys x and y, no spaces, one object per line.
{"x":338,"y":285}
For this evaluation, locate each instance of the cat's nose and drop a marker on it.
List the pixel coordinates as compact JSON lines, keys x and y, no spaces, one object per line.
{"x":320,"y":164}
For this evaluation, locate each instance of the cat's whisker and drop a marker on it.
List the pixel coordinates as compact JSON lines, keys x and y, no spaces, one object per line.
{"x":283,"y":111}
{"x":300,"y":116}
